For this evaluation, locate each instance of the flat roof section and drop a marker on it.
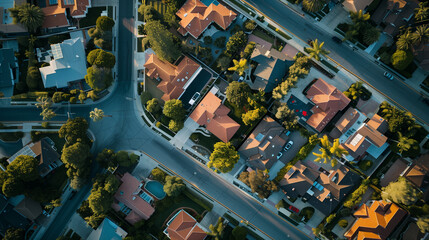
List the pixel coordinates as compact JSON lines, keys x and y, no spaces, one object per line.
{"x":196,"y":86}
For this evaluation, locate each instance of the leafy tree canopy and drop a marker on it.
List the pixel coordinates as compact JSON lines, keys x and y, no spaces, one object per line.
{"x":173,"y":186}
{"x":174,"y":109}
{"x":401,"y":192}
{"x":101,"y":58}
{"x":105,"y":23}
{"x":224,"y":157}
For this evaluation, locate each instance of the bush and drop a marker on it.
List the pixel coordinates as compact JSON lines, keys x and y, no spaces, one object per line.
{"x":208,"y":40}
{"x":401,"y":59}
{"x":73,"y":100}
{"x":220,"y":42}
{"x":365,"y":164}
{"x":343,"y":223}
{"x":105,"y":23}
{"x":345,"y":212}
{"x":249,"y":25}
{"x":330,"y":217}
{"x":45,"y":124}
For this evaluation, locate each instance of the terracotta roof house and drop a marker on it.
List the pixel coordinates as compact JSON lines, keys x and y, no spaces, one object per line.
{"x":364,"y":136}
{"x":133,"y":200}
{"x":272,"y":67}
{"x":8,"y":68}
{"x":394,"y":14}
{"x":108,"y":230}
{"x":328,"y":102}
{"x":29,"y":208}
{"x":68,"y":65}
{"x":356,"y":5}
{"x":43,"y":151}
{"x":183,"y":226}
{"x":376,"y":220}
{"x":394,"y":172}
{"x":418,"y":173}
{"x":211,"y":113}
{"x":196,"y":17}
{"x":174,"y":79}
{"x":322,"y":191}
{"x":263,"y":144}
{"x":58,"y":13}
{"x":9,"y":218}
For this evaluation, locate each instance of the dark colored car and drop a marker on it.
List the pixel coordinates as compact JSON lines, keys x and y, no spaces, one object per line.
{"x":293,"y":209}
{"x":336,"y":39}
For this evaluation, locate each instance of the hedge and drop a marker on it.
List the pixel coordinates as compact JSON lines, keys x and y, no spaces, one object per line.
{"x":29,"y":96}
{"x":355,"y":198}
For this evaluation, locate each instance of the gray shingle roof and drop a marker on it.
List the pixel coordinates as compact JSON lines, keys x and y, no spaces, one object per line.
{"x":7,"y":61}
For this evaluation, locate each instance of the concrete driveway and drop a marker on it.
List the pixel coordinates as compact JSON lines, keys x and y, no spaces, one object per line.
{"x":298,"y":142}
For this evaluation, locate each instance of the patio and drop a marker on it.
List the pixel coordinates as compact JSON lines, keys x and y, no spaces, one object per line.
{"x":301,"y":109}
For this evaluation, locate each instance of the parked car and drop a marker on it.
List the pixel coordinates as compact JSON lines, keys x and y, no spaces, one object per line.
{"x":293,"y":209}
{"x":288,"y":145}
{"x":337,"y":40}
{"x":194,"y":98}
{"x":388,"y":76}
{"x":288,"y":133}
{"x":279,"y":155}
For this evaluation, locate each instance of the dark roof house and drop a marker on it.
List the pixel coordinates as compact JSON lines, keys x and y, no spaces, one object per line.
{"x":10,"y":218}
{"x":263,"y":144}
{"x":272,"y":67}
{"x":29,"y":208}
{"x":8,"y":67}
{"x":323,"y":191}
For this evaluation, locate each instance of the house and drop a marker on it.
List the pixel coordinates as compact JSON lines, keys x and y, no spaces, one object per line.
{"x":174,"y":79}
{"x":356,"y":5}
{"x":376,"y":220}
{"x":43,"y":151}
{"x":272,"y":67}
{"x":392,"y":15}
{"x":9,"y":218}
{"x":413,"y":233}
{"x":263,"y":144}
{"x":361,"y":136}
{"x":323,"y":191}
{"x":68,"y":65}
{"x":394,"y":172}
{"x":182,"y":226}
{"x":60,"y":13}
{"x":7,"y":27}
{"x":133,"y":200}
{"x":421,"y":53}
{"x":418,"y":174}
{"x":328,"y":102}
{"x":29,"y":209}
{"x":196,"y":16}
{"x":212,"y":114}
{"x":8,"y":70}
{"x":108,"y":230}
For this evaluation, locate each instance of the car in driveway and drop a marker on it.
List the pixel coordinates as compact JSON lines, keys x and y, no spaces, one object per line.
{"x":279,"y":155}
{"x":194,"y":98}
{"x":293,"y":209}
{"x":336,"y":39}
{"x":388,"y":76}
{"x":288,"y":145}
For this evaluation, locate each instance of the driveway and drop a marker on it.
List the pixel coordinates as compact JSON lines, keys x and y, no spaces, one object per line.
{"x":298,"y":142}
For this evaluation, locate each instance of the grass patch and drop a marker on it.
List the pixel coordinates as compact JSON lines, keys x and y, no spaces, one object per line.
{"x":365,"y":164}
{"x":307,"y":213}
{"x":11,"y":136}
{"x":207,"y":142}
{"x":57,"y":179}
{"x":91,"y":17}
{"x":167,"y":130}
{"x":59,"y":142}
{"x":158,"y":5}
{"x":283,"y":34}
{"x":231,"y":220}
{"x":140,"y":44}
{"x":262,"y":34}
{"x":110,"y":11}
{"x":329,"y":65}
{"x":244,"y":8}
{"x":197,"y":199}
{"x":288,"y":218}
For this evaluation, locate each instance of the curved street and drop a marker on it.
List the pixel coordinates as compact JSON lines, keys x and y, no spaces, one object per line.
{"x":124,"y":130}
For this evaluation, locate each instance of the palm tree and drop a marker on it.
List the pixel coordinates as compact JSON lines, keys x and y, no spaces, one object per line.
{"x":313,"y":5}
{"x":239,"y":66}
{"x":422,"y":12}
{"x":29,"y":15}
{"x":404,"y":144}
{"x":337,"y":150}
{"x":359,"y":17}
{"x":405,"y":41}
{"x":43,"y":102}
{"x":421,"y":35}
{"x":97,"y":114}
{"x":316,"y":50}
{"x":323,"y":155}
{"x":330,"y":152}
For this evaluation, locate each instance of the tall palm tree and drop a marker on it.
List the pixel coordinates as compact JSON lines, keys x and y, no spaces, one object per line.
{"x":313,"y":5}
{"x":329,"y":152}
{"x":404,"y":144}
{"x":359,"y":17}
{"x":29,"y":15}
{"x":422,"y":12}
{"x":421,"y":35}
{"x":337,"y":150}
{"x":97,"y":114}
{"x":405,"y":41}
{"x":316,"y":50}
{"x":239,"y":66}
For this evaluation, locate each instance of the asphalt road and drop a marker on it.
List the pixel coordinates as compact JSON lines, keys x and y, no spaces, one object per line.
{"x":361,"y":66}
{"x":124,"y":131}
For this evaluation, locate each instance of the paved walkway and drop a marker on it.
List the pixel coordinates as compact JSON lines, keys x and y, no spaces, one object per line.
{"x":183,"y":135}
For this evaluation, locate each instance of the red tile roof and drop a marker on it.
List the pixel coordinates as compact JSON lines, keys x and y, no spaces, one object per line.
{"x":376,"y":221}
{"x":329,"y":101}
{"x":173,"y":77}
{"x":214,"y":115}
{"x":196,"y":17}
{"x":185,"y":227}
{"x":55,"y":15}
{"x":356,"y":5}
{"x":128,"y":194}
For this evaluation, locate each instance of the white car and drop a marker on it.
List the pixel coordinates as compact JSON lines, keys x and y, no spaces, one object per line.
{"x":288,"y":145}
{"x":194,"y":98}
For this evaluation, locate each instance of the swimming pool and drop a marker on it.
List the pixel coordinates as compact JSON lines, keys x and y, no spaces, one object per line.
{"x":155,"y":188}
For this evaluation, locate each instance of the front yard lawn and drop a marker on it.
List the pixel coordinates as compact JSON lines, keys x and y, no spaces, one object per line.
{"x":307,"y":213}
{"x":91,"y":17}
{"x":365,"y":164}
{"x":207,"y":142}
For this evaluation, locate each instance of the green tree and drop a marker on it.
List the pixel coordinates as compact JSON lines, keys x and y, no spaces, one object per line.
{"x":235,"y":43}
{"x":404,"y":143}
{"x":158,"y":175}
{"x":216,"y":231}
{"x":249,"y":25}
{"x":73,"y":130}
{"x":175,"y":125}
{"x":82,"y":97}
{"x":287,"y":117}
{"x":316,"y":50}
{"x":174,"y":109}
{"x":401,"y":192}
{"x":313,"y":5}
{"x":77,"y":182}
{"x":359,"y":17}
{"x":330,"y":217}
{"x":423,"y":224}
{"x":29,"y":15}
{"x":106,"y":158}
{"x":105,"y":23}
{"x":251,"y":116}
{"x":174,"y":186}
{"x":98,"y":78}
{"x":237,"y":93}
{"x":239,"y":66}
{"x":239,"y":233}
{"x":101,"y":58}
{"x":224,"y":157}
{"x":343,"y":223}
{"x":33,"y":78}
{"x":24,"y":167}
{"x":258,"y":182}
{"x":102,"y":39}
{"x":223,"y":62}
{"x":405,"y":41}
{"x":401,"y":59}
{"x":329,"y":152}
{"x":422,"y":12}
{"x":370,"y":35}
{"x":162,"y":42}
{"x":421,"y":35}
{"x":14,"y":234}
{"x":96,"y":114}
{"x":75,"y":156}
{"x":153,"y":106}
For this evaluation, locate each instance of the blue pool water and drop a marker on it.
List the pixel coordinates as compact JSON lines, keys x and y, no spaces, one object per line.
{"x":208,"y":2}
{"x":155,"y":188}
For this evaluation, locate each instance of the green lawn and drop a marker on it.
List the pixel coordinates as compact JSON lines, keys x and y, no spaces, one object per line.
{"x":158,"y":5}
{"x":59,"y":142}
{"x":57,"y":179}
{"x":261,"y":34}
{"x":91,"y":17}
{"x":140,"y":44}
{"x":207,"y":142}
